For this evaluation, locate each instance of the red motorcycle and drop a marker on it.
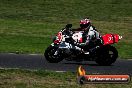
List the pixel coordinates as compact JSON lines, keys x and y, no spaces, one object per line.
{"x":102,"y":53}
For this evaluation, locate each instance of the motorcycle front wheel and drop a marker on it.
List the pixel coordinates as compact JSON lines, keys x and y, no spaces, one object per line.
{"x":106,"y":55}
{"x":52,"y":55}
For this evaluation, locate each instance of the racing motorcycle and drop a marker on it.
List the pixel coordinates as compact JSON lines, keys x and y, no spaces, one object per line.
{"x":64,"y":48}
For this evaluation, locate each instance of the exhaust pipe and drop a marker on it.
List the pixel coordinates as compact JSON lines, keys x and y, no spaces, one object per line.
{"x":120,"y":37}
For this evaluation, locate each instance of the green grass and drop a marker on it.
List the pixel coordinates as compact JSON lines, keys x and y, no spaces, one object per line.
{"x":16,"y":78}
{"x":26,"y":26}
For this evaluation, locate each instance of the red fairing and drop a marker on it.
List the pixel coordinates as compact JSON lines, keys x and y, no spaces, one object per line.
{"x":59,"y":37}
{"x":81,"y":40}
{"x":110,"y":38}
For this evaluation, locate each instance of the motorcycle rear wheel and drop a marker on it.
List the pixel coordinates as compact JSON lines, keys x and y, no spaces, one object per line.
{"x":106,"y":55}
{"x":50,"y":57}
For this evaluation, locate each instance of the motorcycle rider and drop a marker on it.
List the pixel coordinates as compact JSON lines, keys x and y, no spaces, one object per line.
{"x":90,"y":34}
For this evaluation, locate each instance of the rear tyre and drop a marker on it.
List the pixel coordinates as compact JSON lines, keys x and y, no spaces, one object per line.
{"x":50,"y":55}
{"x":106,"y":55}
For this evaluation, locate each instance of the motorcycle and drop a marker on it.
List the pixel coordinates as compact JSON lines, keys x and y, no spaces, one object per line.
{"x":63,"y":48}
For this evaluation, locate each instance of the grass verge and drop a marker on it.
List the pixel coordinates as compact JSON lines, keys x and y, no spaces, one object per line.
{"x":16,"y":78}
{"x":27,"y":25}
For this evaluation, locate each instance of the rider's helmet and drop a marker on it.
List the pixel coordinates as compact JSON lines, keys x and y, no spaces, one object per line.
{"x":84,"y":23}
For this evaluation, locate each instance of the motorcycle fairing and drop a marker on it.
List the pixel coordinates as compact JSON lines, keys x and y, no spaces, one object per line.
{"x":58,"y":38}
{"x":110,"y":38}
{"x":78,"y":37}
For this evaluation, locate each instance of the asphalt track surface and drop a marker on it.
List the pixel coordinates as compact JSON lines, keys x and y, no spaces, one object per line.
{"x":37,"y":62}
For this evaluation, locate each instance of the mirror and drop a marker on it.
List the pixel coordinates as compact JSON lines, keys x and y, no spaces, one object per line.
{"x":68,"y":25}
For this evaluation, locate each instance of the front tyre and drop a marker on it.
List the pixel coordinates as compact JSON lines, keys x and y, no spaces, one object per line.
{"x":106,"y":55}
{"x":52,"y":55}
